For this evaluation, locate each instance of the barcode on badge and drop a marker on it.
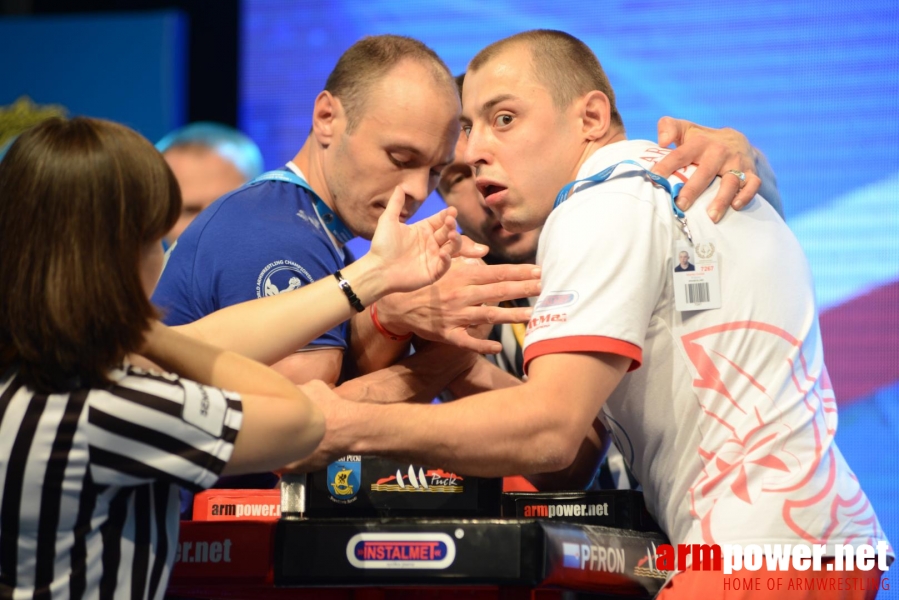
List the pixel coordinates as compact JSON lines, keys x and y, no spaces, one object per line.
{"x":697,"y":293}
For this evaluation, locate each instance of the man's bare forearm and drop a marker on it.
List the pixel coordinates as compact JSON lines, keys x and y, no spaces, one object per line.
{"x":584,"y":468}
{"x":417,"y":378}
{"x":483,"y":376}
{"x":369,"y":349}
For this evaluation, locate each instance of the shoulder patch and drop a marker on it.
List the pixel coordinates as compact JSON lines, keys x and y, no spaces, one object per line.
{"x":279,"y":277}
{"x":204,"y":407}
{"x":556,"y":300}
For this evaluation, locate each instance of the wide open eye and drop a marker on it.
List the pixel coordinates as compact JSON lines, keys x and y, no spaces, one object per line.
{"x":503,"y":120}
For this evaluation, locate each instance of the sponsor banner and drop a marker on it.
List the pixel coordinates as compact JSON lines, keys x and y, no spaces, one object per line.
{"x":374,"y":552}
{"x":594,"y":558}
{"x":612,"y":508}
{"x":401,"y":550}
{"x":234,"y":551}
{"x":368,"y":486}
{"x":362,"y":552}
{"x":237,"y":505}
{"x":432,"y":481}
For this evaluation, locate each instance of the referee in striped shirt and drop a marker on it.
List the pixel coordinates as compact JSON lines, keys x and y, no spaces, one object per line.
{"x":93,"y":449}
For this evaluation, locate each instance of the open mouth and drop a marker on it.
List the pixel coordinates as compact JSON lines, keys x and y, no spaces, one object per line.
{"x":492,"y":192}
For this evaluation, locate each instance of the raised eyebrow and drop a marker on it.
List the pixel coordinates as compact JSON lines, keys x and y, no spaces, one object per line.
{"x":488,"y":106}
{"x":494,"y":101}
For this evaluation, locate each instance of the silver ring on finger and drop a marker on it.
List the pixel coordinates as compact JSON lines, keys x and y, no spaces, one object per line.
{"x":739,"y":175}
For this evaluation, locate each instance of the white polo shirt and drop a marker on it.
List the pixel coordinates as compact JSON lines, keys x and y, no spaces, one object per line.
{"x":727,"y":417}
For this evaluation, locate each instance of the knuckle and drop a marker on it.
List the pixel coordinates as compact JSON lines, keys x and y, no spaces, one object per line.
{"x":701,"y":137}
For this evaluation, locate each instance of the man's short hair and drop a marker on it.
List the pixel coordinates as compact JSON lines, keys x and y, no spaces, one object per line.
{"x":83,"y":200}
{"x":229,"y":143}
{"x":460,"y":79}
{"x":562,"y":63}
{"x":370,"y":59}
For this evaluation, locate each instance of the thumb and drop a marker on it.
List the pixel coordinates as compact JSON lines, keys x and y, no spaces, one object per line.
{"x":394,"y":205}
{"x":470,"y":249}
{"x":670,"y":132}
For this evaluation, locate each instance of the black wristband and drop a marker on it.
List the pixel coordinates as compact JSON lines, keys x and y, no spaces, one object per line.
{"x":350,"y":295}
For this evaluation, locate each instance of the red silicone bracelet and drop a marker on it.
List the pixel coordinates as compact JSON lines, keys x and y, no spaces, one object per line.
{"x":383,"y":330}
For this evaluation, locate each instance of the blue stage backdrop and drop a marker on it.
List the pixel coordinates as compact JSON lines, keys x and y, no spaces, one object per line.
{"x":812,"y":83}
{"x":126,"y":67}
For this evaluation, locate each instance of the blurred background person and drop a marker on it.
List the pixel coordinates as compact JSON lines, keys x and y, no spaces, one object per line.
{"x":209,"y":160}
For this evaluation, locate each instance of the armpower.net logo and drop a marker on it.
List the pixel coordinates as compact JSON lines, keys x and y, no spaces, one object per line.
{"x":555,"y":511}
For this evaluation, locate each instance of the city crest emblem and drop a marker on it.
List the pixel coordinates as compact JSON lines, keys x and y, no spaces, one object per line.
{"x":705,"y":250}
{"x":344,"y":479}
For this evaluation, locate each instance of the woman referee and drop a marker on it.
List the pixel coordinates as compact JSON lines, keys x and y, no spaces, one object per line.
{"x":93,"y":449}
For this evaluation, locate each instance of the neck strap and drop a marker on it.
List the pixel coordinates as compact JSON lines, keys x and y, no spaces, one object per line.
{"x":606,"y":173}
{"x":337,"y":227}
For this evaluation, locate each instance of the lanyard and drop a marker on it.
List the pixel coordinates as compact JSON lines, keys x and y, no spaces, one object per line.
{"x":340,"y":231}
{"x":606,"y":173}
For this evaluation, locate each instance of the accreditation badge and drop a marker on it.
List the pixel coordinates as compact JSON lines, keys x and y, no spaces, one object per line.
{"x":697,"y":276}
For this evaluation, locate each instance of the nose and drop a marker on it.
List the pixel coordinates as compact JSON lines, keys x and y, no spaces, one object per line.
{"x":476,"y":150}
{"x":416,"y":186}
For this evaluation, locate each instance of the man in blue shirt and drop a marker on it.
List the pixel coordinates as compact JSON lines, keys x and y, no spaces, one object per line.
{"x":388,"y":118}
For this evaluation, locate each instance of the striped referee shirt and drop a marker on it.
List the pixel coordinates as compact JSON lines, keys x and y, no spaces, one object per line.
{"x":89,"y":498}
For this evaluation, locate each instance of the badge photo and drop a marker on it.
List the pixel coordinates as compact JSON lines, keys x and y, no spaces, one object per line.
{"x":697,"y":276}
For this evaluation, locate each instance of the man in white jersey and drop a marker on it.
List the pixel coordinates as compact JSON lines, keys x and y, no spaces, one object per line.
{"x":716,"y":395}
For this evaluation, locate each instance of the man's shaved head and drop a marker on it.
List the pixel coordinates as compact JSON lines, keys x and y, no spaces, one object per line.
{"x":368,"y":60}
{"x":563,"y":63}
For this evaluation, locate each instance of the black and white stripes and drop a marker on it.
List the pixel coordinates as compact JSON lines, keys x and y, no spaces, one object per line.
{"x":89,"y":496}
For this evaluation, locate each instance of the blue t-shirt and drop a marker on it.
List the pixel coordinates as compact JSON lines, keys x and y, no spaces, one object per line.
{"x":259,"y":240}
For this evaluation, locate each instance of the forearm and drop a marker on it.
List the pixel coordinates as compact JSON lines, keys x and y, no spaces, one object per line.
{"x":417,"y":378}
{"x":371,"y":350}
{"x":483,"y":376}
{"x":502,"y":435}
{"x":532,"y":428}
{"x":269,"y":329}
{"x":584,"y":468}
{"x":208,"y":365}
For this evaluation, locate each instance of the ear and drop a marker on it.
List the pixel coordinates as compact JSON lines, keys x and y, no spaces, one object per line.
{"x":596,"y":115}
{"x":328,"y":118}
